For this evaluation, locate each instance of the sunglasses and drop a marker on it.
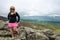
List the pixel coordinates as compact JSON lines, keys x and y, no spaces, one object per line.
{"x":12,"y":9}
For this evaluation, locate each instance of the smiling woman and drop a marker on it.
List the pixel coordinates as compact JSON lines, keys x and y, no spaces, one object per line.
{"x":13,"y":21}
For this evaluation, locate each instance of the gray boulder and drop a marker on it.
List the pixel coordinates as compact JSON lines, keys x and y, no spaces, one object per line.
{"x":32,"y":34}
{"x":57,"y":36}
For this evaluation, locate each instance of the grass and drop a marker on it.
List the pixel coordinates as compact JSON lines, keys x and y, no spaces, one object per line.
{"x":55,"y":28}
{"x":58,"y":30}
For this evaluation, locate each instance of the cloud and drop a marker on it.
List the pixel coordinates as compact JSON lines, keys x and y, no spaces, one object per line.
{"x":32,"y":7}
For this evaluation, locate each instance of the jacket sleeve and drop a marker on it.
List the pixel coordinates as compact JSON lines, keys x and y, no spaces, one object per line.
{"x":8,"y":16}
{"x":18,"y":17}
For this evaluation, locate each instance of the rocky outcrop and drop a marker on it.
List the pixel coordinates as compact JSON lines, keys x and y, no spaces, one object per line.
{"x":3,"y":18}
{"x":27,"y":33}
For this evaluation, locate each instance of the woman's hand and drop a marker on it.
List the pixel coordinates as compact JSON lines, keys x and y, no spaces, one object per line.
{"x":17,"y":22}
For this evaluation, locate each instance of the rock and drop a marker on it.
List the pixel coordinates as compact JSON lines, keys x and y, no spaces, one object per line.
{"x":27,"y":33}
{"x":2,"y":23}
{"x":37,"y":36}
{"x":57,"y":36}
{"x":23,"y":34}
{"x":32,"y":34}
{"x":40,"y":36}
{"x":29,"y":30}
{"x":49,"y":33}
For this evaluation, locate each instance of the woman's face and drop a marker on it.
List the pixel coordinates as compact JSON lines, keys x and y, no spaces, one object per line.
{"x":12,"y":10}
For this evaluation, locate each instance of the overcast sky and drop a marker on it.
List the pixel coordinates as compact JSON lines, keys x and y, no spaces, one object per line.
{"x":31,"y":7}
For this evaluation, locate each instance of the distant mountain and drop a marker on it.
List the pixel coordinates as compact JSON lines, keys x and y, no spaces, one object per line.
{"x":3,"y":18}
{"x":45,"y":18}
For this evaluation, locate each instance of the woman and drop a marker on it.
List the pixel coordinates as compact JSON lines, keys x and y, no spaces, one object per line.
{"x":13,"y":21}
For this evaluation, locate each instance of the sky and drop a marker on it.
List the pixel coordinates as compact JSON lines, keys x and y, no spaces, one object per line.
{"x":31,"y":7}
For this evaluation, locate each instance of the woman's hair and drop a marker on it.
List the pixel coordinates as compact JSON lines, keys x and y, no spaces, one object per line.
{"x":12,"y":8}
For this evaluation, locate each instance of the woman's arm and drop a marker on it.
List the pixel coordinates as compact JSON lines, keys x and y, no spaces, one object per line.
{"x":8,"y":16}
{"x":18,"y":17}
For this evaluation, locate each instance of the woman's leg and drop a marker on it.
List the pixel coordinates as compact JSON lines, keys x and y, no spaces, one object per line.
{"x":11,"y":32}
{"x":16,"y":30}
